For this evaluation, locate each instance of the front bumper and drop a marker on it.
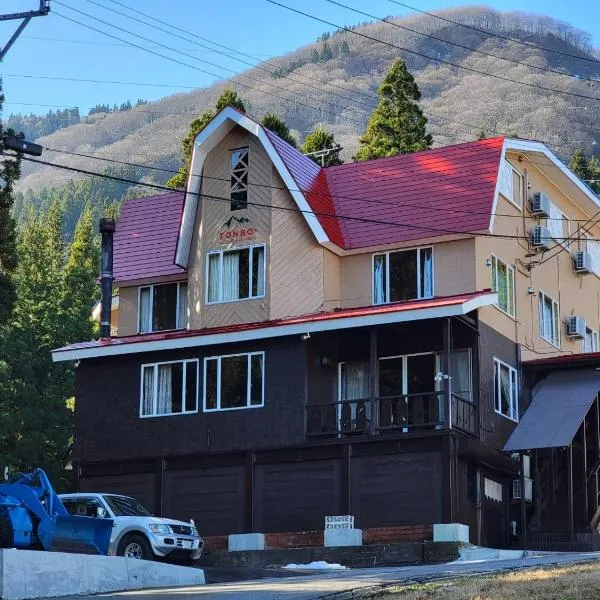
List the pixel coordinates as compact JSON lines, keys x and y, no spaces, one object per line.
{"x":182,"y":545}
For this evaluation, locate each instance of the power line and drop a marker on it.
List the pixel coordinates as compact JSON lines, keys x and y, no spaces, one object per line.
{"x":433,"y":37}
{"x":496,"y":35}
{"x":440,"y":60}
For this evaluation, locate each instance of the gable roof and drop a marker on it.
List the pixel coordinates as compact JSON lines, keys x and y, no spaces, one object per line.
{"x":146,"y":237}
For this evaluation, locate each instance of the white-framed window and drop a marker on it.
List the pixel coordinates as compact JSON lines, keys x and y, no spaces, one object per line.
{"x":234,"y":381}
{"x":236,"y":274}
{"x":403,"y":275}
{"x":162,"y":307}
{"x":590,"y":342}
{"x":503,"y":282}
{"x":559,"y":225}
{"x":239,"y":178}
{"x":511,"y":184}
{"x":506,"y":390}
{"x":169,"y":388}
{"x":549,"y":319}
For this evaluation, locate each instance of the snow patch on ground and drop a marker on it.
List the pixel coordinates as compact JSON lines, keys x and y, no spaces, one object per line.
{"x":319,"y":565}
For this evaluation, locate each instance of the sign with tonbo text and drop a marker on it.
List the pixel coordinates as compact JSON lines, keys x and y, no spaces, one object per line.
{"x":236,"y":229}
{"x":339,"y":522}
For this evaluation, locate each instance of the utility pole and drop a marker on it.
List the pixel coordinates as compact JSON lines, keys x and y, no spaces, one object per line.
{"x":25,"y":17}
{"x":323,"y":154}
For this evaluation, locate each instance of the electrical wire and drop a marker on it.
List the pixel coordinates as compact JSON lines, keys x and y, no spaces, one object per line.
{"x":431,"y":58}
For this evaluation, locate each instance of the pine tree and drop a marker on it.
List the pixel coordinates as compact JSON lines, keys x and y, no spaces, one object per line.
{"x":9,"y":173}
{"x":321,"y":139}
{"x":229,"y":97}
{"x":277,"y":125}
{"x":326,"y":53}
{"x":344,"y":48}
{"x":397,"y":125}
{"x":579,"y":164}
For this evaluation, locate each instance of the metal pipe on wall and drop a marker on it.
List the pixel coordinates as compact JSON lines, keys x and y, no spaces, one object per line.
{"x":107,"y":230}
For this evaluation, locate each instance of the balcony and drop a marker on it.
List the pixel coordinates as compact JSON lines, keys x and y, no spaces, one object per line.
{"x":408,"y":413}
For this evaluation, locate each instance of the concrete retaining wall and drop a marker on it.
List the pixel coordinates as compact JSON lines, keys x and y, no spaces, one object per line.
{"x":30,"y":574}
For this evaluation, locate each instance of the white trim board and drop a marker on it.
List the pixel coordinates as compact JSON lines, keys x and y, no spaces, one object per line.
{"x":331,"y":324}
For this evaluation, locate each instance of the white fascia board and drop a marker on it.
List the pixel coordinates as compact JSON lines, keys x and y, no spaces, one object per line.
{"x":205,"y":141}
{"x":350,"y":322}
{"x":497,"y":188}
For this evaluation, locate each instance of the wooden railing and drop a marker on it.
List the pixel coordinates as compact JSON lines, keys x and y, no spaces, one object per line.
{"x":463,"y":414}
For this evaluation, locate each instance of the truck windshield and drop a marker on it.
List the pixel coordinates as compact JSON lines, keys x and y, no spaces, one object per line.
{"x":123,"y":506}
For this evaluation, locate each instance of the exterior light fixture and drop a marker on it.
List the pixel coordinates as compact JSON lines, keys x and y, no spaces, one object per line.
{"x":305,"y":336}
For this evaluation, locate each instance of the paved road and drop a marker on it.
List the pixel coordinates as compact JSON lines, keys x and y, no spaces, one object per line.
{"x":312,"y":587}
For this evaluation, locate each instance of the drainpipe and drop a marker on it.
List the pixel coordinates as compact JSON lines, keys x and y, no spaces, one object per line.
{"x":107,"y":230}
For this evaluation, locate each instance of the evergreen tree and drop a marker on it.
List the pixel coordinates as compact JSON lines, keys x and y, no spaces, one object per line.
{"x":314,"y":56}
{"x":344,"y":48}
{"x":321,"y":139}
{"x":579,"y":164}
{"x":326,"y":53}
{"x":9,"y":173}
{"x":228,"y":98}
{"x":277,"y":125}
{"x":397,"y":125}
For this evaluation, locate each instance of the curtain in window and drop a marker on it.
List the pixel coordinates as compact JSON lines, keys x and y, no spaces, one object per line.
{"x":183,"y":306}
{"x":164,"y":400}
{"x":514,"y":409}
{"x":258,"y":272}
{"x":213,"y":277}
{"x":501,"y":286}
{"x":426,"y":273}
{"x":505,"y":390}
{"x":355,"y":381}
{"x":546,"y":317}
{"x":231,"y":276}
{"x":460,"y":371}
{"x":379,"y":280}
{"x":145,"y":310}
{"x":147,"y":397}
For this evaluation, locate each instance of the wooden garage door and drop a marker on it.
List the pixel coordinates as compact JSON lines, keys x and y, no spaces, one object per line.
{"x":400,"y":489}
{"x":138,"y":485}
{"x":296,"y":496}
{"x":213,"y":497}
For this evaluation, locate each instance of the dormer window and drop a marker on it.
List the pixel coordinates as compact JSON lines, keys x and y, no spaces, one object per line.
{"x":239,"y":179}
{"x":162,"y":307}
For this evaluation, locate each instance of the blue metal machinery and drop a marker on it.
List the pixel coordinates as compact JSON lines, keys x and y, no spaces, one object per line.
{"x":32,"y":516}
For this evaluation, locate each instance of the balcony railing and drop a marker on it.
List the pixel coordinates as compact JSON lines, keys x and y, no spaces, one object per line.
{"x":404,"y":413}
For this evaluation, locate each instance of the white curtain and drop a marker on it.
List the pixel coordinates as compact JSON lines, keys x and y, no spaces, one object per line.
{"x":355,"y":381}
{"x":148,"y":395}
{"x":505,"y":391}
{"x":259,"y":259}
{"x":231,"y":276}
{"x":145,"y":310}
{"x":460,"y":371}
{"x":213,"y":277}
{"x":164,"y":400}
{"x":182,"y":316}
{"x":427,"y":273}
{"x":379,"y":279}
{"x":556,"y":223}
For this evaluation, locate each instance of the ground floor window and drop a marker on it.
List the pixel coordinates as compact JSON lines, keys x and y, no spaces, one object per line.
{"x":506,"y":391}
{"x":169,"y":388}
{"x":234,"y":381}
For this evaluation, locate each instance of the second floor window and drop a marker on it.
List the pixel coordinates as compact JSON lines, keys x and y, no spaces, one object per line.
{"x":162,"y":307}
{"x":506,"y":390}
{"x":590,"y":343}
{"x":403,"y":275}
{"x":503,"y":282}
{"x":235,"y":274}
{"x":239,"y":179}
{"x":549,"y":319}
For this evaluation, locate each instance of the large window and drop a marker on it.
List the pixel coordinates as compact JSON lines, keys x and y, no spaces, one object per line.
{"x":590,"y":343}
{"x":404,"y":275}
{"x":235,"y":274}
{"x":162,"y":307}
{"x":234,"y":381}
{"x":239,"y":179}
{"x":506,"y":390}
{"x":503,"y":282}
{"x":549,"y":319}
{"x":558,"y":224}
{"x":169,"y":388}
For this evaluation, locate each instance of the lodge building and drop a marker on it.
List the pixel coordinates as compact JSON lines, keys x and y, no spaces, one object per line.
{"x":292,"y":341}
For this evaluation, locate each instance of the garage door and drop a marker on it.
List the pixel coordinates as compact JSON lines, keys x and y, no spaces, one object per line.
{"x":213,"y":497}
{"x":138,"y":485}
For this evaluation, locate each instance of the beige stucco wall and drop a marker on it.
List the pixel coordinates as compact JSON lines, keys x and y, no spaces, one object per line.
{"x":576,"y":294}
{"x":128,"y":306}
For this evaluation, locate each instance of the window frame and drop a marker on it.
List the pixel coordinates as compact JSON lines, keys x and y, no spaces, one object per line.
{"x":231,"y":176}
{"x":155,"y":366}
{"x":151,"y":287}
{"x":219,"y":358}
{"x":595,"y":340}
{"x":521,"y":179}
{"x":555,"y":319}
{"x":387,"y":274}
{"x":509,"y":268}
{"x":220,"y":253}
{"x":513,"y":385}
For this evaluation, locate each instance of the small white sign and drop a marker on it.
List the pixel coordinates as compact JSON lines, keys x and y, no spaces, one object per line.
{"x":339,"y":522}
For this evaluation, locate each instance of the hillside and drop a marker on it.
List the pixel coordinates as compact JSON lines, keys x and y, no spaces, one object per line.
{"x":341,"y":83}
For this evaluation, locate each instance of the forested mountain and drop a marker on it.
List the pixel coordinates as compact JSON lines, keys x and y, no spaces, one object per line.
{"x":334,"y":80}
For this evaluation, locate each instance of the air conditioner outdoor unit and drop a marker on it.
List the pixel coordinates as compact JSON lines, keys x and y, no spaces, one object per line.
{"x":576,"y":327}
{"x":540,"y":204}
{"x":516,"y":489}
{"x":541,"y":237}
{"x":582,"y":261}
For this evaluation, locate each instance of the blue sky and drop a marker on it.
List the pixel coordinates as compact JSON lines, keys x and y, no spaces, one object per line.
{"x":55,"y":47}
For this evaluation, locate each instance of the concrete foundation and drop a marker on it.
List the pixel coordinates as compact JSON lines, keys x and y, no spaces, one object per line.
{"x":451,"y":532}
{"x":335,"y":538}
{"x":30,"y":574}
{"x":240,"y":542}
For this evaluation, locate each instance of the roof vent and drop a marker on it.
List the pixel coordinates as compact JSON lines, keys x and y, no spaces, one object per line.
{"x":576,"y":327}
{"x":582,"y":262}
{"x":541,"y":237}
{"x":540,"y":204}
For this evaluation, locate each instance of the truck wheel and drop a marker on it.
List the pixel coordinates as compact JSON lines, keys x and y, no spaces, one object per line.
{"x":6,"y":533}
{"x":135,"y":546}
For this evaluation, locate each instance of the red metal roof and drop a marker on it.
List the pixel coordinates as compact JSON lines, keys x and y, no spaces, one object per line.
{"x":146,"y":237}
{"x":565,"y":360}
{"x":394,"y":307}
